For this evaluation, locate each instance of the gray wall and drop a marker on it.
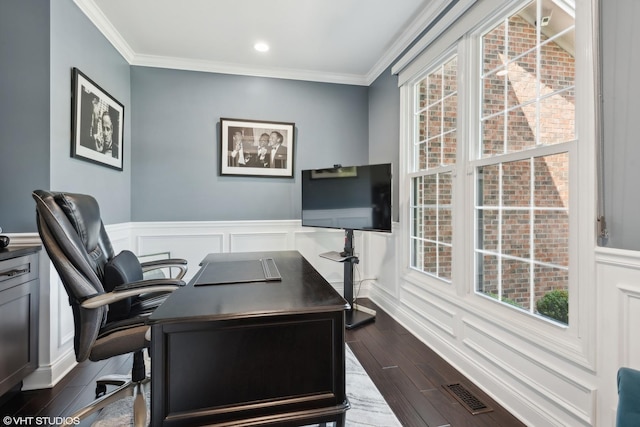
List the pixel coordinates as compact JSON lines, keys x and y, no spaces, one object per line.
{"x":24,"y":110}
{"x":621,"y":126}
{"x":384,"y":127}
{"x":171,"y":127}
{"x":176,"y":141}
{"x":76,"y":42}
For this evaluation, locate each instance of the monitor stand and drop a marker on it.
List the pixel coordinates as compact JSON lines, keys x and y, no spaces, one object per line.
{"x":353,"y":317}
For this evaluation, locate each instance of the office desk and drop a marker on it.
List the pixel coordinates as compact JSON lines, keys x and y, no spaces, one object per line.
{"x":262,"y":353}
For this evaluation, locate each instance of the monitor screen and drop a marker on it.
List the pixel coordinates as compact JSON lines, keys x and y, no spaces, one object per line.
{"x":349,"y":198}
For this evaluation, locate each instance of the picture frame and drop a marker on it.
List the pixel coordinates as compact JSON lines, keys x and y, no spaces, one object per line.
{"x":256,"y":148}
{"x":97,"y":124}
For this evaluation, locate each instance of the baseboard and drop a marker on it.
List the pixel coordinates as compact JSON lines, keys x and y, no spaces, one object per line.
{"x":48,"y":376}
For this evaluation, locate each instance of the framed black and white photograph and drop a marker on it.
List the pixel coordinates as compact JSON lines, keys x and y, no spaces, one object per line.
{"x":256,"y":148}
{"x":97,"y":124}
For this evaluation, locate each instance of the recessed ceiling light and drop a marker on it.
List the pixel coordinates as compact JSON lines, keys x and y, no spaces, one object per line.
{"x":261,"y":47}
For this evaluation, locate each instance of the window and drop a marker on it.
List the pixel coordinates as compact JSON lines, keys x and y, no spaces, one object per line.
{"x":434,"y":157}
{"x":527,"y":123}
{"x":520,"y":152}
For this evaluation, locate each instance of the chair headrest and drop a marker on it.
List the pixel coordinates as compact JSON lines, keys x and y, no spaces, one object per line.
{"x":84,"y":214}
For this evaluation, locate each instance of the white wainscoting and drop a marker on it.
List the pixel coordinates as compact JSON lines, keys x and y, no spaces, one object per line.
{"x":191,"y":241}
{"x":194,"y":240}
{"x":543,"y":385}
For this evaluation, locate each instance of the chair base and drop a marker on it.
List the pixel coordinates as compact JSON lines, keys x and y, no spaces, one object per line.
{"x":126,"y":388}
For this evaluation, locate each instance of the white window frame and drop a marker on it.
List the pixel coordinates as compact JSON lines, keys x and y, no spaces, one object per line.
{"x":577,"y":341}
{"x":451,"y":169}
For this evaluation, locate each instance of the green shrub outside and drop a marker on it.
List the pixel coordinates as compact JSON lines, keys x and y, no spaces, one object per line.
{"x":555,"y":304}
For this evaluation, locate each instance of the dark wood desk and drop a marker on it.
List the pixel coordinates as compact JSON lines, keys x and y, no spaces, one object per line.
{"x":262,"y":353}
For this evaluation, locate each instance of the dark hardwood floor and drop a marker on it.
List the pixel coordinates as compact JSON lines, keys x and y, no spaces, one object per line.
{"x":409,"y":375}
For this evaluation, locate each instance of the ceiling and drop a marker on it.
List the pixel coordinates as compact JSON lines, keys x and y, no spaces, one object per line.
{"x":338,"y":41}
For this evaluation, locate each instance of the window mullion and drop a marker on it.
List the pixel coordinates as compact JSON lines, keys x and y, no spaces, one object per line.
{"x":532,"y":240}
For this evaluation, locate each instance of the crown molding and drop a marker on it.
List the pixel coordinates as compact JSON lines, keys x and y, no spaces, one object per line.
{"x":95,"y":15}
{"x":458,"y":9}
{"x":237,"y":69}
{"x":419,"y":23}
{"x":411,"y":33}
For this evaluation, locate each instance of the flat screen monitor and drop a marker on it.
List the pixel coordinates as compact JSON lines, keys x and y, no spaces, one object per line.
{"x":349,"y":198}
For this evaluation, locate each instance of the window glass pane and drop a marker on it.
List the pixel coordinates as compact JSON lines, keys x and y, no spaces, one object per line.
{"x":516,"y":183}
{"x":492,"y":49}
{"x":444,"y":262}
{"x":421,"y":156}
{"x":551,"y":237}
{"x":488,"y":229}
{"x":450,"y":143}
{"x":416,"y":224}
{"x":493,"y":136}
{"x":515,"y":282}
{"x":557,"y":118}
{"x":450,"y":113}
{"x":430,"y":189}
{"x":450,"y":77}
{"x":522,"y":80}
{"x":551,"y":181}
{"x":488,"y":277}
{"x":416,"y":211}
{"x":434,"y":91}
{"x":521,"y":34}
{"x":430,"y":220}
{"x":430,"y":258}
{"x":551,"y":293}
{"x":557,"y":69}
{"x":516,"y":233}
{"x":416,"y":253}
{"x":421,"y":94}
{"x":435,"y":120}
{"x":445,"y":225}
{"x":488,"y":185}
{"x":417,"y":191}
{"x":435,"y":152}
{"x":422,"y":123}
{"x":521,"y":126}
{"x":445,"y":189}
{"x":493,"y":94}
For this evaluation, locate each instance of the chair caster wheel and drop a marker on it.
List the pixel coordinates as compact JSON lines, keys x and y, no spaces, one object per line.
{"x":101,"y":389}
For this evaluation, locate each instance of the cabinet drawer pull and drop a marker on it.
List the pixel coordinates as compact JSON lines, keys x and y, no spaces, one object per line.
{"x":14,"y":272}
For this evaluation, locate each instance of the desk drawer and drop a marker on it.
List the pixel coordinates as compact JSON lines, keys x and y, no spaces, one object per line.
{"x":19,"y":307}
{"x":18,"y":270}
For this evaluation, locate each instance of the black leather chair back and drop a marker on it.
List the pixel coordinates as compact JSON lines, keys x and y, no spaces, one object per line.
{"x":75,"y":239}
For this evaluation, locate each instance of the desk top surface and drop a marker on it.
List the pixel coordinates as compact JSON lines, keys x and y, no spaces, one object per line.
{"x":13,"y":251}
{"x":301,"y":290}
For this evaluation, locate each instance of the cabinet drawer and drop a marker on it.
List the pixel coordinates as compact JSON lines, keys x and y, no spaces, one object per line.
{"x":18,"y":326}
{"x":18,"y":270}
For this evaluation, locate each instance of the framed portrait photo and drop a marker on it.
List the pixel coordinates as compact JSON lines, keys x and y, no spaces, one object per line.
{"x":256,"y":148}
{"x":97,"y":124}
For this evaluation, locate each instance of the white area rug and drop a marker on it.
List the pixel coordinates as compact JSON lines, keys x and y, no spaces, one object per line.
{"x":368,"y":407}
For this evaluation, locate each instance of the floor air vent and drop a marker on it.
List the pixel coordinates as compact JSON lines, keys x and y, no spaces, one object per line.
{"x":467,"y":399}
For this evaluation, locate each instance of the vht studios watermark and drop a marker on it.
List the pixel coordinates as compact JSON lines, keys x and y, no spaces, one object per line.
{"x":39,"y":421}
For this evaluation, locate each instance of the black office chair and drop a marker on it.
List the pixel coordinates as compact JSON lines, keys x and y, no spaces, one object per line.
{"x":107,"y":293}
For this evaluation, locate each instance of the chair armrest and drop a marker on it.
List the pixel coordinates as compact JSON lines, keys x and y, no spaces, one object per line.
{"x":180,"y":264}
{"x":133,"y":289}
